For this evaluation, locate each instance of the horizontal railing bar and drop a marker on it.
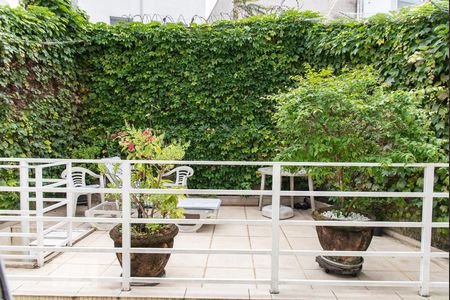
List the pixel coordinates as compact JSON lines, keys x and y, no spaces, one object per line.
{"x":140,"y":279}
{"x":9,"y":167}
{"x":119,"y":220}
{"x":18,"y":256}
{"x":45,"y":180}
{"x":137,"y":250}
{"x":54,"y":189}
{"x":223,"y":221}
{"x":136,"y":191}
{"x":327,"y":282}
{"x":221,"y":251}
{"x":16,"y":212}
{"x":353,"y":194}
{"x":49,"y":165}
{"x":17,"y":234}
{"x":214,"y":162}
{"x":352,"y":253}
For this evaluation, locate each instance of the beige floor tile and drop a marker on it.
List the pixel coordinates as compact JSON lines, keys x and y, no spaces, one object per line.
{"x":407,"y":264}
{"x":230,"y":273}
{"x":47,"y":269}
{"x":286,"y":261}
{"x":259,"y":293}
{"x":434,"y":276}
{"x":78,"y":270}
{"x":253,"y":213}
{"x":187,"y":260}
{"x":112,"y":290}
{"x":232,"y":212}
{"x":303,"y":293}
{"x":187,"y":273}
{"x":155,"y":292}
{"x":231,"y":230}
{"x":230,"y":242}
{"x":368,"y":295}
{"x":205,"y":230}
{"x":322,"y":275}
{"x":53,"y":288}
{"x":283,"y":274}
{"x":407,"y":293}
{"x":378,"y":264}
{"x":230,"y":261}
{"x":382,"y":275}
{"x":218,"y":292}
{"x":262,"y":242}
{"x":192,"y":242}
{"x":308,"y":262}
{"x":260,"y":230}
{"x":304,"y":243}
{"x":439,"y":264}
{"x":93,"y":258}
{"x":62,"y":258}
{"x":299,"y":231}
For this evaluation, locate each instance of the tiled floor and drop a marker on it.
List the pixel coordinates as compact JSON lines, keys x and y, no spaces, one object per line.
{"x":233,"y":266}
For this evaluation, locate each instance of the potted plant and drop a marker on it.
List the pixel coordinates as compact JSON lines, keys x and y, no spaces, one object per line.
{"x":147,"y":145}
{"x":350,"y":117}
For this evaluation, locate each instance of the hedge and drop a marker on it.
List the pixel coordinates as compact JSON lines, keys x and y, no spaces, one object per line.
{"x":206,"y":84}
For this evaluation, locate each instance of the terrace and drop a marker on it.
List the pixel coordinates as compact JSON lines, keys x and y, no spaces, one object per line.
{"x":173,"y":134}
{"x":239,"y":255}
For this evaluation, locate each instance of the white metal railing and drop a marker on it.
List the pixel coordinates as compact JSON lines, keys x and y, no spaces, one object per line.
{"x":25,"y":216}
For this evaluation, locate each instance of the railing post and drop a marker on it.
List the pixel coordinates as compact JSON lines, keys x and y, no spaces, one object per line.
{"x":126,"y":219}
{"x":39,"y":213}
{"x":24,"y":201}
{"x":427,"y":220}
{"x":275,"y":259}
{"x":71,"y":207}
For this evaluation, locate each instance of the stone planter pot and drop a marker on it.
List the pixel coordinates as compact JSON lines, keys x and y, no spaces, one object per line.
{"x":343,"y":239}
{"x":147,"y":264}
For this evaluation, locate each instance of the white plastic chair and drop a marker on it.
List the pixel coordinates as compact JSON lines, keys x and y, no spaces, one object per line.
{"x":182,"y":175}
{"x":79,"y":181}
{"x":114,"y":172}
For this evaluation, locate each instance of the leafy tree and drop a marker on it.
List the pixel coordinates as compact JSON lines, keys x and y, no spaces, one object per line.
{"x":351,"y":117}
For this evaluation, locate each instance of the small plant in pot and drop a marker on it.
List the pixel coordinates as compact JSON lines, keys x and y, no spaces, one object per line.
{"x":147,"y":145}
{"x":350,"y":117}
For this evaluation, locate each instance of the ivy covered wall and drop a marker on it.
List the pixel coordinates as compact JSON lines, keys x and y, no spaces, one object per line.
{"x":206,"y":84}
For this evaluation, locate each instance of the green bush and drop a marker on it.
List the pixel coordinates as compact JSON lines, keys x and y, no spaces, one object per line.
{"x":353,"y":118}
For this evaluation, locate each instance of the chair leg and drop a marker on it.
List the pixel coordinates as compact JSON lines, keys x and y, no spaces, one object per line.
{"x":311,"y":189}
{"x":89,"y":200}
{"x":263,"y":183}
{"x":74,"y":204}
{"x":291,"y":179}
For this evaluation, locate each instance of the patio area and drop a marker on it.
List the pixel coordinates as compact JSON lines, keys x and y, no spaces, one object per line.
{"x":233,"y":266}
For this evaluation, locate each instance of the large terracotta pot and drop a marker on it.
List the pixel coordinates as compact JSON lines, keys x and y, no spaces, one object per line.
{"x":147,"y":264}
{"x":343,"y":238}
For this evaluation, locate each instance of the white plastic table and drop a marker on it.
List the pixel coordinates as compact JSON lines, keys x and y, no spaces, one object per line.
{"x":267,"y":171}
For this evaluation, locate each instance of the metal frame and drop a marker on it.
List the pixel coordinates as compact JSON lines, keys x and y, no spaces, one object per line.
{"x":25,"y":216}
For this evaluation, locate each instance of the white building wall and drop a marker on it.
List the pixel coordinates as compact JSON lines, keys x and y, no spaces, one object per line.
{"x":102,"y":10}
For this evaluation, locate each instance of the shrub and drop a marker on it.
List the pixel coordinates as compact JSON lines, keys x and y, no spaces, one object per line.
{"x":351,"y":117}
